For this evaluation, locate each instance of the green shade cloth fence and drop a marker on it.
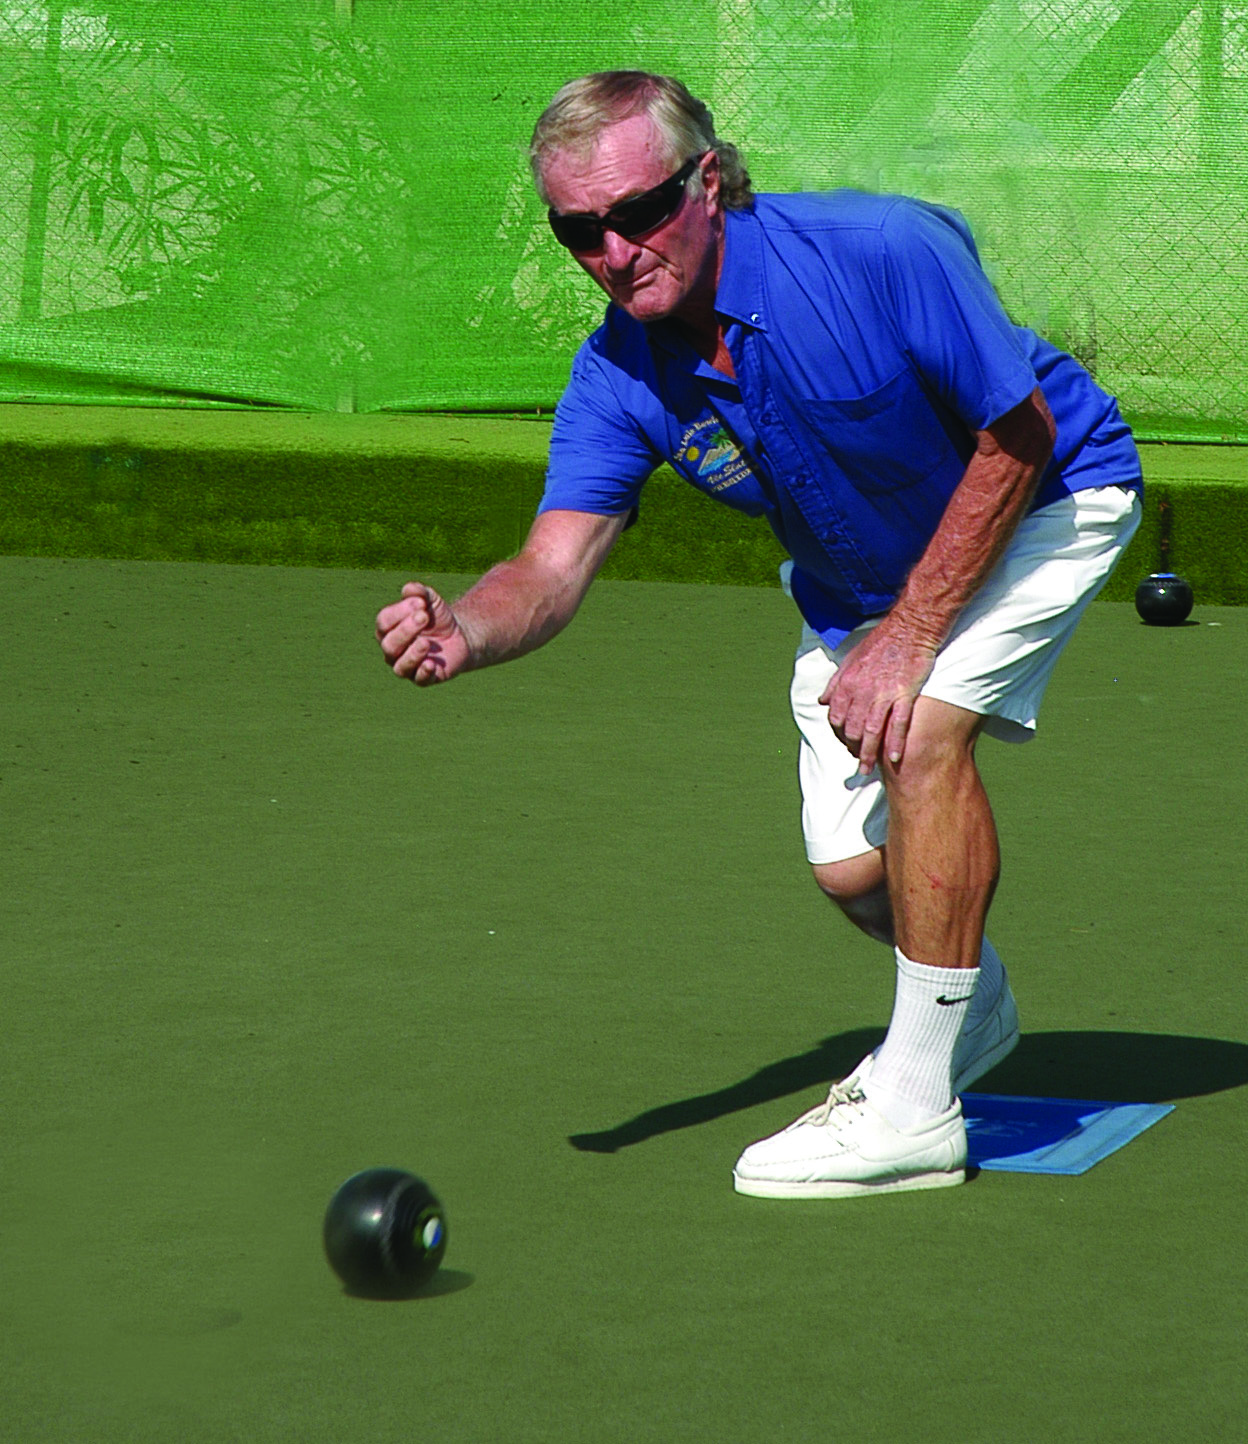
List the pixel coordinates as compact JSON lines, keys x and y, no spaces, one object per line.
{"x":326,"y":205}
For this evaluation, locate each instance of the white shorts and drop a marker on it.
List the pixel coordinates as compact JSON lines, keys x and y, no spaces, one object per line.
{"x":997,"y":661}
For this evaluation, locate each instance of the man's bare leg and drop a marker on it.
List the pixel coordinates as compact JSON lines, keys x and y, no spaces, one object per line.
{"x":936,"y":879}
{"x":860,"y":888}
{"x":928,"y":892}
{"x":941,"y":868}
{"x":942,"y":861}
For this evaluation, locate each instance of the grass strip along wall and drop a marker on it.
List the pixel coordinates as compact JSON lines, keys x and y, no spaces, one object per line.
{"x":448,"y":493}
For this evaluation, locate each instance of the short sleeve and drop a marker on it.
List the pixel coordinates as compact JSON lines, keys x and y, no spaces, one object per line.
{"x":599,"y":458}
{"x":950,"y":320}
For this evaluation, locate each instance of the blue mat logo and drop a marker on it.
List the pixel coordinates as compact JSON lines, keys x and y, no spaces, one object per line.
{"x":1050,"y":1135}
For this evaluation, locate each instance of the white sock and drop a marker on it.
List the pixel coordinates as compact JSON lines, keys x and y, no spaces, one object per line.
{"x":991,"y":974}
{"x":911,"y":1079}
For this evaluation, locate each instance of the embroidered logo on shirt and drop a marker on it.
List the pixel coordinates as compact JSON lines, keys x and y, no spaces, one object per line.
{"x":708,"y":452}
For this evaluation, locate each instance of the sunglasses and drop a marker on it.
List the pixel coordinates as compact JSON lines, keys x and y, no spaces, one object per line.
{"x":630,"y":219}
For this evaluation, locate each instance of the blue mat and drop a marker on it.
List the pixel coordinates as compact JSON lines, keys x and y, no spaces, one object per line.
{"x":1050,"y":1135}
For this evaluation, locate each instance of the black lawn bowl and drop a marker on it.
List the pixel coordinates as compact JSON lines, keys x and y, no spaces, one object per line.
{"x":1164,"y":599}
{"x":385,"y":1234}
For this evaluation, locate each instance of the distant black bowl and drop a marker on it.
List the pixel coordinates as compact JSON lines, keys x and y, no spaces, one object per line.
{"x":1164,"y":599}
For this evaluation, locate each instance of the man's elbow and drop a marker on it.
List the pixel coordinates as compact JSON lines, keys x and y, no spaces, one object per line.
{"x":1027,"y":433}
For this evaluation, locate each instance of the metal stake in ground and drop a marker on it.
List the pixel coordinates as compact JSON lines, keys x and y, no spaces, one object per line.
{"x":1163,"y":598}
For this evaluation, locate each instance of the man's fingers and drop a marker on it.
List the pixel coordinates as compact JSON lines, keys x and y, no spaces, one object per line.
{"x":839,"y":703}
{"x":398,"y":626}
{"x":868,"y":753}
{"x":401,"y":636}
{"x":869,"y":727}
{"x":870,"y":699}
{"x":884,"y":734}
{"x":408,"y":660}
{"x":430,"y":671}
{"x":401,"y":614}
{"x":418,"y":604}
{"x":898,"y":729}
{"x":420,"y":637}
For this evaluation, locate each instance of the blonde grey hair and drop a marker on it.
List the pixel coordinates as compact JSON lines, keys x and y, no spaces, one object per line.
{"x":583,"y":108}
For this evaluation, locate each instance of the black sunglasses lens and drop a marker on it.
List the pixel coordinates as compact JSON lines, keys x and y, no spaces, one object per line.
{"x":644,"y":213}
{"x":629,"y":219}
{"x":577,"y":233}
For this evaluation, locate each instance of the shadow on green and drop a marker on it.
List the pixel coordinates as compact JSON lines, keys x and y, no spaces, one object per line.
{"x":1112,"y":1067}
{"x":445,"y":1281}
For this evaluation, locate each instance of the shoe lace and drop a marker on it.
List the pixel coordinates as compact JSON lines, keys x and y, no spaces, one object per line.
{"x":845,"y":1091}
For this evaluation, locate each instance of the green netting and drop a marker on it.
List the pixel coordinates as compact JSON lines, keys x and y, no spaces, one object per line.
{"x":326,"y":205}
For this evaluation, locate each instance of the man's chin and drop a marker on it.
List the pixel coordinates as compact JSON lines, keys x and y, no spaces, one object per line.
{"x":645,"y":304}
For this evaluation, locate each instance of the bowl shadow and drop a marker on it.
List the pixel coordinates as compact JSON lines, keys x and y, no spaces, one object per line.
{"x":445,"y":1281}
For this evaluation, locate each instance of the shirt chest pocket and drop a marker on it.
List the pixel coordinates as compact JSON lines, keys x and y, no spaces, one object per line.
{"x":884,"y":441}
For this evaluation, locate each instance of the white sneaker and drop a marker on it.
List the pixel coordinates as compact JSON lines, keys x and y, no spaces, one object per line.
{"x":986,"y":1040}
{"x":844,"y":1147}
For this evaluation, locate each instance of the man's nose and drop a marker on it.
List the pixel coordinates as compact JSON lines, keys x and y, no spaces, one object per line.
{"x":618,"y":253}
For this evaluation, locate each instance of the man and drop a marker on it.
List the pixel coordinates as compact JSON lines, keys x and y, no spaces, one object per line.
{"x":951,"y":489}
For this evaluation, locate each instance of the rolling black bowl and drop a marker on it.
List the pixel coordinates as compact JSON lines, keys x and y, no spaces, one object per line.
{"x":385,"y":1233}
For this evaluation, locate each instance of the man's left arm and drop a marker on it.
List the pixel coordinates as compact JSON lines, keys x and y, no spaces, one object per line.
{"x":871,"y":699}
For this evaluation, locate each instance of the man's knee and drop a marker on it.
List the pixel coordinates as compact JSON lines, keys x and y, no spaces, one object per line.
{"x":940,"y":743}
{"x":857,"y":886}
{"x":851,"y":878}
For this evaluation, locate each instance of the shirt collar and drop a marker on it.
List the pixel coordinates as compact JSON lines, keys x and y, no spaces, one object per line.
{"x":740,"y":292}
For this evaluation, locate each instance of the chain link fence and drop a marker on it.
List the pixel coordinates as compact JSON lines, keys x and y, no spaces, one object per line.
{"x":327,"y":205}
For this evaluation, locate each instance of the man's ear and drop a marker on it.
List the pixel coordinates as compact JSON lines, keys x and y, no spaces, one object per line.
{"x":711,"y":178}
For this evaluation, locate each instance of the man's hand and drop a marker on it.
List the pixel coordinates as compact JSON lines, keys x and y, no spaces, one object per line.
{"x":517,"y":606}
{"x":871,"y":699}
{"x":421,"y":637}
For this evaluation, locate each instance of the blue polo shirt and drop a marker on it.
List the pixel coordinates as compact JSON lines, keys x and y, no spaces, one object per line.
{"x":869,"y":347}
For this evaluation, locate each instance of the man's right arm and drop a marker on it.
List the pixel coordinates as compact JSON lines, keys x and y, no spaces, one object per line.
{"x":516,"y":607}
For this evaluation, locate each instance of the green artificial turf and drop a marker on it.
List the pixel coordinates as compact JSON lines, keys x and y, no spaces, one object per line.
{"x":271,"y":916}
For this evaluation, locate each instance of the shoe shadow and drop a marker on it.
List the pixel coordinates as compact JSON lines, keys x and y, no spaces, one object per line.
{"x":1099,"y":1066}
{"x":832,"y":1058}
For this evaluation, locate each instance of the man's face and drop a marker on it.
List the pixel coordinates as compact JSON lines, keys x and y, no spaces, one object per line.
{"x":672,"y":270}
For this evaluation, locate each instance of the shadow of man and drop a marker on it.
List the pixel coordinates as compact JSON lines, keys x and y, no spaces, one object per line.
{"x":1103,"y":1066}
